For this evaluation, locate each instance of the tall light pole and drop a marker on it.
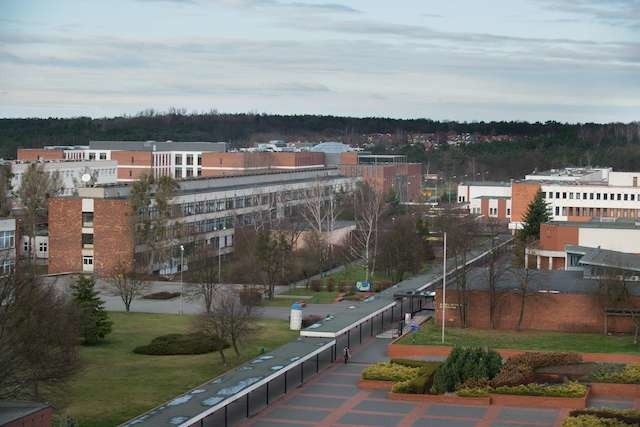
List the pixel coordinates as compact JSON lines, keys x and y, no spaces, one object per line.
{"x":444,"y":283}
{"x":181,"y":282}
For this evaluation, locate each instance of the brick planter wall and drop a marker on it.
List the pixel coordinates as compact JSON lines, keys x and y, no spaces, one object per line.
{"x":440,"y":398}
{"x":539,"y":401}
{"x":375,"y":385}
{"x":615,"y":390}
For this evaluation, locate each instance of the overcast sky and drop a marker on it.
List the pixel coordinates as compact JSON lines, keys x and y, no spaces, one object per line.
{"x":566,"y":60}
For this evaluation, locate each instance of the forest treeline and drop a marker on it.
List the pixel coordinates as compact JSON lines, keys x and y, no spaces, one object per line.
{"x":534,"y":145}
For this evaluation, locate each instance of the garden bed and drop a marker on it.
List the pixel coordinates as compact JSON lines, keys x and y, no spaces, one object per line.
{"x":615,"y":390}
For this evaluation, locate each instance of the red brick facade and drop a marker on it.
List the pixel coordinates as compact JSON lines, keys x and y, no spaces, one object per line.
{"x":112,"y":235}
{"x":382,"y":178}
{"x":548,"y":312}
{"x":32,"y":154}
{"x":65,"y":235}
{"x":221,"y":164}
{"x":522,"y":193}
{"x":41,"y":418}
{"x":554,"y":237}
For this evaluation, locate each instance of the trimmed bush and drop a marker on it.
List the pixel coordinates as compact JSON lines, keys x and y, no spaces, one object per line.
{"x":472,"y":392}
{"x":331,"y":284}
{"x":570,"y":389}
{"x":521,"y":369}
{"x":628,"y":416}
{"x":390,"y":372}
{"x":616,"y":373}
{"x":316,"y":285}
{"x":465,"y":364}
{"x":173,"y":344}
{"x":591,"y":421}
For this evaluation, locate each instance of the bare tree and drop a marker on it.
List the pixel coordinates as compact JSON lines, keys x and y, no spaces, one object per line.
{"x":614,"y":292}
{"x":527,"y":279}
{"x":229,"y":319}
{"x":496,"y":266}
{"x":365,"y":237}
{"x":125,"y":284}
{"x":5,"y":189}
{"x":207,"y":274}
{"x":36,"y":187}
{"x":314,"y":210}
{"x":39,"y":334}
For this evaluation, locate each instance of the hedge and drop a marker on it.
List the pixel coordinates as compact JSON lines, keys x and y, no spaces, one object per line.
{"x":616,"y":373}
{"x":411,"y":363}
{"x":570,"y":389}
{"x":464,"y":364}
{"x":173,"y":344}
{"x":472,"y":392}
{"x":629,"y":416}
{"x":591,"y":421}
{"x":420,"y":384}
{"x":390,"y":372}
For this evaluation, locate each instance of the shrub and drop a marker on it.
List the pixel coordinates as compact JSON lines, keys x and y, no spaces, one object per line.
{"x":570,"y":389}
{"x":629,"y":416}
{"x":173,"y":344}
{"x":418,"y":385}
{"x":316,"y":285}
{"x":616,"y":373}
{"x":521,"y":369}
{"x":250,"y":297}
{"x":331,"y":284}
{"x":345,"y":287}
{"x":472,"y":392}
{"x":162,"y":295}
{"x":464,"y":364}
{"x":390,"y":372}
{"x":591,"y":421}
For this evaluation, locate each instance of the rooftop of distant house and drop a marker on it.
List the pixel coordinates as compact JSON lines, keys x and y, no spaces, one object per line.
{"x":13,"y":410}
{"x":486,"y":183}
{"x":615,"y":260}
{"x":605,"y":222}
{"x":158,"y":145}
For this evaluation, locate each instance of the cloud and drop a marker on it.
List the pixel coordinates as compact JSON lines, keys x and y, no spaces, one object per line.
{"x":611,"y":12}
{"x":291,"y":5}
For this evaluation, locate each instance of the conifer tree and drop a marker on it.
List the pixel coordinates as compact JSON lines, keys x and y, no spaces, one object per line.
{"x":94,"y":320}
{"x":536,"y":214}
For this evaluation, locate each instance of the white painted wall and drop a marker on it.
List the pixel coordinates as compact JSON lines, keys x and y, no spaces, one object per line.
{"x":623,"y":240}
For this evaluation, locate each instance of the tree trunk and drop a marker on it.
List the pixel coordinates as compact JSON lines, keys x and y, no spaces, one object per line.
{"x":224,"y":359}
{"x":523,"y":297}
{"x":235,"y":346}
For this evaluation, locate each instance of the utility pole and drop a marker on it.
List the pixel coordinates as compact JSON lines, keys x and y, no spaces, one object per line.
{"x":181,"y":281}
{"x":444,"y":283}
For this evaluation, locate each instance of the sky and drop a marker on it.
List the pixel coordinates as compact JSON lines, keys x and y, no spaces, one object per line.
{"x":534,"y":60}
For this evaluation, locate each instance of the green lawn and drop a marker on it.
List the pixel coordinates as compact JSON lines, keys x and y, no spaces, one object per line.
{"x":115,"y":384}
{"x":354,"y":273}
{"x":322,"y":297}
{"x":525,"y":340}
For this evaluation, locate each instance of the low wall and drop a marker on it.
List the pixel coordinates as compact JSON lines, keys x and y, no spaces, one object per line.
{"x":615,"y":390}
{"x":539,"y":401}
{"x":440,"y":398}
{"x":408,"y":351}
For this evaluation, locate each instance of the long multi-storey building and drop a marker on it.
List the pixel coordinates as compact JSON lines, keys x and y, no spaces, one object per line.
{"x":94,"y":231}
{"x":487,"y":199}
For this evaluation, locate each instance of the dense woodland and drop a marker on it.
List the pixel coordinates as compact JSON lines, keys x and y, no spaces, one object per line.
{"x":535,"y":145}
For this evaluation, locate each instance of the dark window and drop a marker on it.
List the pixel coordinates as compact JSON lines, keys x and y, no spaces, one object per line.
{"x":103,"y":156}
{"x":87,"y":240}
{"x":199,"y":159}
{"x":189,"y":159}
{"x":178,"y":159}
{"x":87,"y":219}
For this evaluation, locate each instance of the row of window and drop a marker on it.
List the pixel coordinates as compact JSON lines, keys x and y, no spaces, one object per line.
{"x":101,"y":156}
{"x":42,"y":246}
{"x":590,"y":196}
{"x":7,"y":239}
{"x":187,"y":173}
{"x":188,"y":159}
{"x":596,"y":212}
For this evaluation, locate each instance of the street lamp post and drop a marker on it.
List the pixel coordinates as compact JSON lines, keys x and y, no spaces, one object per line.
{"x":181,"y":282}
{"x":444,"y":283}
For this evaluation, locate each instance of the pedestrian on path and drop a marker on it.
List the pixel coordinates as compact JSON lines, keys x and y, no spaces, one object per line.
{"x":347,"y":354}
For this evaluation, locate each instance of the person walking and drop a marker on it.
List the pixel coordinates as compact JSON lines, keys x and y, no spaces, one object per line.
{"x":347,"y":355}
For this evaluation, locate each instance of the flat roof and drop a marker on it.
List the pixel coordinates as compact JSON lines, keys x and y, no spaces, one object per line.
{"x":487,"y":183}
{"x":213,"y":395}
{"x":620,"y":223}
{"x":606,"y":258}
{"x":493,"y":197}
{"x":12,"y":410}
{"x":158,"y":145}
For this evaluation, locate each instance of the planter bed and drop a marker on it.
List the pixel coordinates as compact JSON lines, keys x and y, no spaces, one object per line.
{"x":440,"y":398}
{"x":375,"y":384}
{"x":615,"y":389}
{"x":539,"y":401}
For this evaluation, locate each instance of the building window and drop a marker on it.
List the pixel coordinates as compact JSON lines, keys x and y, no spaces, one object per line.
{"x":508,"y":211}
{"x":550,"y":194}
{"x":189,"y":172}
{"x":626,"y":197}
{"x":189,"y":159}
{"x":557,"y":194}
{"x":92,"y":156}
{"x":557,"y":211}
{"x":578,"y":196}
{"x":635,"y":181}
{"x":199,"y":172}
{"x":584,"y":196}
{"x":27,"y":244}
{"x":633,"y":197}
{"x":619,"y":196}
{"x":87,"y":240}
{"x":199,"y":159}
{"x":103,"y":156}
{"x":7,"y":266}
{"x":130,"y":173}
{"x":42,"y":247}
{"x":87,"y":260}
{"x":571,"y":195}
{"x":604,"y":196}
{"x":597,"y":196}
{"x":178,"y":159}
{"x":133,"y":160}
{"x":590,"y":196}
{"x":87,"y":219}
{"x":564,"y":195}
{"x":7,"y":239}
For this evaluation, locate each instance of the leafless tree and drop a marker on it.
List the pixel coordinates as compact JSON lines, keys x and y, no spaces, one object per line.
{"x":365,"y":237}
{"x":39,"y":336}
{"x":124,"y":283}
{"x":35,"y":189}
{"x":495,"y":266}
{"x":528,"y":280}
{"x":207,"y":274}
{"x":614,"y":292}
{"x":229,"y":319}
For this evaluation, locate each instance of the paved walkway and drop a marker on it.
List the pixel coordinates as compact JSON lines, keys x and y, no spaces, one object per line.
{"x":332,"y":399}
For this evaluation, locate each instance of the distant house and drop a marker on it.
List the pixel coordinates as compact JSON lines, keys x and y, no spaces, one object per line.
{"x":20,"y":413}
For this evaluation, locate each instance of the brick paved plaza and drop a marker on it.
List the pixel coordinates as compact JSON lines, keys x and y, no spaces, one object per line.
{"x":332,"y":398}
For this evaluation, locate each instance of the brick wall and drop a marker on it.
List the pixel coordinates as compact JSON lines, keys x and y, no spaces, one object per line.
{"x":292,"y":160}
{"x":113,"y":236}
{"x":522,"y":193}
{"x":39,"y":153}
{"x":65,"y":235}
{"x":554,"y":237}
{"x":132,"y":165}
{"x":549,"y":312}
{"x":41,"y":418}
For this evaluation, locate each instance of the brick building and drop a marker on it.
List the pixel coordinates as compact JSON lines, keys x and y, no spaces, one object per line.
{"x":94,"y":231}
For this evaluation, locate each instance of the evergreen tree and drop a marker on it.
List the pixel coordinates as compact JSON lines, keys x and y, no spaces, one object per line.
{"x":94,"y":320}
{"x":536,"y":214}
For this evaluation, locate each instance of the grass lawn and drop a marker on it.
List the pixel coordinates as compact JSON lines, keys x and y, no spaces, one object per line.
{"x":525,"y":340}
{"x":115,"y":384}
{"x":353,"y":273}
{"x":322,"y":297}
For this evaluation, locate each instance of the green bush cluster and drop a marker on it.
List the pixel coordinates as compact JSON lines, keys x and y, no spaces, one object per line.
{"x":591,"y":421}
{"x":627,"y":416}
{"x":616,"y":373}
{"x":390,"y":372}
{"x":420,"y":384}
{"x":521,"y":369}
{"x":411,"y":363}
{"x":465,"y":364}
{"x":569,"y":389}
{"x":472,"y":392}
{"x":173,"y":344}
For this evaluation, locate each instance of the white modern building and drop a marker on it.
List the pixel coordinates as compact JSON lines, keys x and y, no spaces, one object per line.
{"x":488,"y":199}
{"x":7,"y":244}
